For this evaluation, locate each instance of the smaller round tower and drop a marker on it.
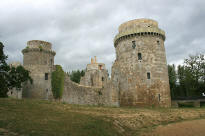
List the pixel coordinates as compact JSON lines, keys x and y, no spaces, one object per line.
{"x":38,"y":58}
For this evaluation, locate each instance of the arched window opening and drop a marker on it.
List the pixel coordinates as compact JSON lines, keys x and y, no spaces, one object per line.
{"x":158,"y":43}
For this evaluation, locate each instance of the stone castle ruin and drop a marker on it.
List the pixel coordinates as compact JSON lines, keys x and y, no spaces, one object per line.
{"x":139,"y":74}
{"x":96,"y":74}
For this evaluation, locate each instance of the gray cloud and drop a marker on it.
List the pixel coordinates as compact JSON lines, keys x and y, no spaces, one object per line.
{"x":80,"y":30}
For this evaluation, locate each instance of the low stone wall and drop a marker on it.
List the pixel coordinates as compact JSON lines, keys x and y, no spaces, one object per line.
{"x":84,"y":95}
{"x":195,"y":103}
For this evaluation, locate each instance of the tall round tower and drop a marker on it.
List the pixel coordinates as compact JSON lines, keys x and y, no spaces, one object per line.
{"x":38,"y":58}
{"x":140,"y":70}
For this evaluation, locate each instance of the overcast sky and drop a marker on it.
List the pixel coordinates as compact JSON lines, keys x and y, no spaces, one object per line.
{"x":81,"y":29}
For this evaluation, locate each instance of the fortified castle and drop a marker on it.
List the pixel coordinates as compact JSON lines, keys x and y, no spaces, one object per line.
{"x":139,"y":74}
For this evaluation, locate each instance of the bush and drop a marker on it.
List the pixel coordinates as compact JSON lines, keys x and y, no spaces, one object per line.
{"x":57,"y":82}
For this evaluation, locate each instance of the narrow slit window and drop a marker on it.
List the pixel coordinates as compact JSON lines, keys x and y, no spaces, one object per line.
{"x":139,"y":56}
{"x":46,"y":76}
{"x":102,"y":78}
{"x":159,"y":97}
{"x":51,"y":61}
{"x":133,"y":44}
{"x":148,"y":75}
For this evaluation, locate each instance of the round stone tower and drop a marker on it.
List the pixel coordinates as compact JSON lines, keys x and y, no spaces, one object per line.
{"x":38,"y":58}
{"x":140,"y":70}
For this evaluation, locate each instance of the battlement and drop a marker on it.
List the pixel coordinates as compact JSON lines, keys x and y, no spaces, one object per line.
{"x":39,"y":44}
{"x":129,"y":25}
{"x":138,"y":27}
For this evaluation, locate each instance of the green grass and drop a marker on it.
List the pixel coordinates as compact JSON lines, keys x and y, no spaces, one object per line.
{"x":43,"y":118}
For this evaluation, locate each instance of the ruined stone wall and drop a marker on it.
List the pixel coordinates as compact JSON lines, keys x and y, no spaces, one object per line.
{"x":95,"y":78}
{"x":84,"y":95}
{"x":39,"y":60}
{"x":96,"y":75}
{"x":14,"y":93}
{"x":140,"y":55}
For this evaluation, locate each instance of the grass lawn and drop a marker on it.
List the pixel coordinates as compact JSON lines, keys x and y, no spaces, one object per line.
{"x":44,"y":118}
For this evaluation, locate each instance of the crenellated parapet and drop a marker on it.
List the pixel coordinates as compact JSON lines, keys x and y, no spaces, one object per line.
{"x":39,"y":49}
{"x":138,"y":27}
{"x":37,"y":45}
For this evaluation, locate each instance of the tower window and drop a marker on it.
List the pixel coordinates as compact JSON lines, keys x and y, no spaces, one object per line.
{"x":133,"y":44}
{"x":159,"y":97}
{"x":102,"y":78}
{"x":148,"y":75}
{"x":51,"y":61}
{"x":46,"y":76}
{"x":158,"y":42}
{"x":139,"y":56}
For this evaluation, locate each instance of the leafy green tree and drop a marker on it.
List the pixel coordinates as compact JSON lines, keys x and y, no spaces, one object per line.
{"x":195,"y":74}
{"x":76,"y":75}
{"x":57,"y":82}
{"x":172,"y":80}
{"x":182,"y":80}
{"x":190,"y":76}
{"x":11,"y":77}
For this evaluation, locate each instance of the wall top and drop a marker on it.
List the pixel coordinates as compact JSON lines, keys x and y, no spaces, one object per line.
{"x":138,"y":26}
{"x":137,"y":23}
{"x":39,"y":43}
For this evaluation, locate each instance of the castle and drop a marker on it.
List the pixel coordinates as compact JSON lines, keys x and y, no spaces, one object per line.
{"x":139,"y":74}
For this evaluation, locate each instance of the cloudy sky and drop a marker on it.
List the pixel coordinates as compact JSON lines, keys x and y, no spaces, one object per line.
{"x":82,"y":29}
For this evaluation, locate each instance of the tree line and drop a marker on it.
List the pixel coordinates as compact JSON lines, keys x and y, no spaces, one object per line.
{"x":76,"y":75}
{"x":188,"y":79}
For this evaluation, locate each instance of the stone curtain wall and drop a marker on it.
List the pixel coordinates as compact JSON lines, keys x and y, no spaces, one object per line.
{"x":84,"y":95}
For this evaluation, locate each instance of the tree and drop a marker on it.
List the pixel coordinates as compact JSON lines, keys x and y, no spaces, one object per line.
{"x":190,"y":76}
{"x":195,"y":74}
{"x":172,"y":80}
{"x":57,"y":82}
{"x":11,"y":77}
{"x":76,"y":75}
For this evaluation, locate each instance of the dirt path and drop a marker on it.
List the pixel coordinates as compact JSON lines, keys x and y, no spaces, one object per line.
{"x":186,"y":128}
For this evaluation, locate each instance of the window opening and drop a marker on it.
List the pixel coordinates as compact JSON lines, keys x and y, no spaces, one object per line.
{"x":148,"y":75}
{"x":46,"y":76}
{"x":139,"y":56}
{"x":159,"y":97}
{"x":133,"y":44}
